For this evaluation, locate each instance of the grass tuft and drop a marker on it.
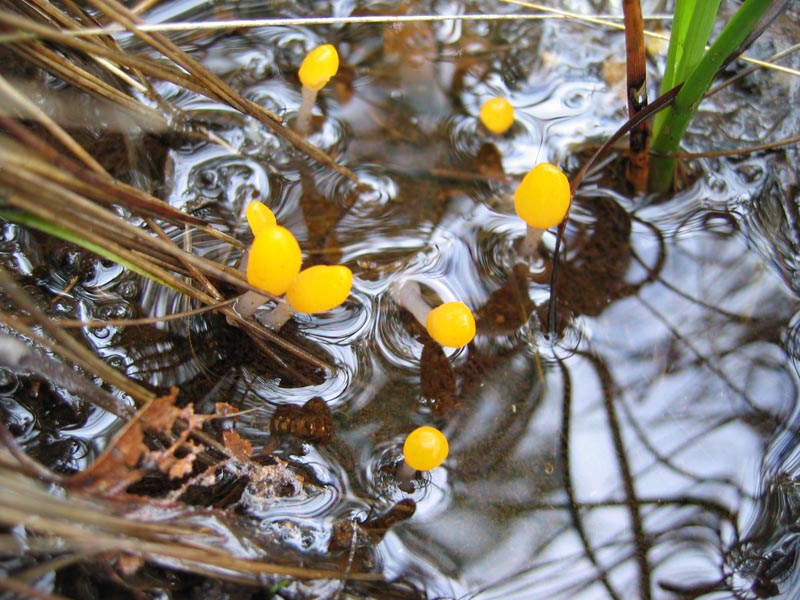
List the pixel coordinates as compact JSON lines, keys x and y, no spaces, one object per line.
{"x":690,"y":65}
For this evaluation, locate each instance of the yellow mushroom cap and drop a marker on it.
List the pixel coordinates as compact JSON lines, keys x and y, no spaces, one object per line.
{"x":497,"y":115}
{"x":451,"y":324}
{"x":543,"y":197}
{"x":425,"y":448}
{"x":259,"y":216}
{"x":318,"y":67}
{"x":274,"y":260}
{"x":320,"y":288}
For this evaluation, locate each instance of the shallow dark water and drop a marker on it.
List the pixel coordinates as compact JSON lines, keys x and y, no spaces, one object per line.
{"x":651,"y":443}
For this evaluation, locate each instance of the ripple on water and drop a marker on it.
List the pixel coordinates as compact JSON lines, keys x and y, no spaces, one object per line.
{"x":396,"y":334}
{"x":378,"y":465}
{"x":217,"y":186}
{"x":371,"y":197}
{"x":19,"y":420}
{"x":264,"y":386}
{"x":660,"y":353}
{"x":518,"y":147}
{"x":496,"y":245}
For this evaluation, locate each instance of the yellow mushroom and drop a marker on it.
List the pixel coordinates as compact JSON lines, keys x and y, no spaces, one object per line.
{"x":424,"y":449}
{"x":259,"y":217}
{"x":317,"y":289}
{"x":315,"y":72}
{"x":273,"y":261}
{"x":542,"y":200}
{"x":451,"y":324}
{"x":497,"y":115}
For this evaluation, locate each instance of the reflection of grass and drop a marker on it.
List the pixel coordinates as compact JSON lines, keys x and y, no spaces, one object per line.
{"x":690,"y":65}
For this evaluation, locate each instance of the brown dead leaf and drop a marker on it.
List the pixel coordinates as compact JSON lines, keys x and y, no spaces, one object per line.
{"x":128,"y":564}
{"x":237,"y":445}
{"x":489,"y":162}
{"x":508,"y":307}
{"x":128,"y":458}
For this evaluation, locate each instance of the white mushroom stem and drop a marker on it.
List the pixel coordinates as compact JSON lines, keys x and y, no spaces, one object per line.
{"x":409,"y":295}
{"x":277,"y":317}
{"x":529,"y":248}
{"x":248,"y":303}
{"x":307,"y":101}
{"x":405,"y":476}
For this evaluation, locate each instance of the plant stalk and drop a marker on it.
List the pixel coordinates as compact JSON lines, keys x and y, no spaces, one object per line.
{"x":636,"y":61}
{"x":677,"y":117}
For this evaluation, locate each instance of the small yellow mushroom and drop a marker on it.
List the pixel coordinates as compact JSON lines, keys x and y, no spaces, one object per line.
{"x":497,"y":115}
{"x":315,"y":72}
{"x":314,"y":290}
{"x":273,"y":261}
{"x":425,"y":449}
{"x":318,"y":67}
{"x":259,"y":217}
{"x":542,"y":200}
{"x":320,"y":288}
{"x":451,"y":324}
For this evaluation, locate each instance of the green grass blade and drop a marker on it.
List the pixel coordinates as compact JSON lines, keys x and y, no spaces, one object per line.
{"x":676,"y":118}
{"x":69,"y":236}
{"x":698,"y":32}
{"x":692,"y":23}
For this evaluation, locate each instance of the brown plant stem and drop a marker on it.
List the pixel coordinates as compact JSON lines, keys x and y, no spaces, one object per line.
{"x":636,"y":61}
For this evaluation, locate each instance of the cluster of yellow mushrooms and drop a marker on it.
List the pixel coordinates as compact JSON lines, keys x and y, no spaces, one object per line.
{"x":273,"y":262}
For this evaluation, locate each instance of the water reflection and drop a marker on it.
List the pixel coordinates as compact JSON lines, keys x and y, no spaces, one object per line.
{"x":643,"y":444}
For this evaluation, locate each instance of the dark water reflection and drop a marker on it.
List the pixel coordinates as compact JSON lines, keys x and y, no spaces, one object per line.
{"x":652,"y":445}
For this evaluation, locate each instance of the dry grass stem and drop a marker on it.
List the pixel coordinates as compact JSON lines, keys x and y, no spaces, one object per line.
{"x":91,"y":527}
{"x":27,"y":109}
{"x":64,"y":345}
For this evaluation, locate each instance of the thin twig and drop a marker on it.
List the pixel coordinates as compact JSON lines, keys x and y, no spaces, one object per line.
{"x":64,"y":344}
{"x":737,"y":151}
{"x":641,"y":541}
{"x":222,"y":25}
{"x":569,"y":489}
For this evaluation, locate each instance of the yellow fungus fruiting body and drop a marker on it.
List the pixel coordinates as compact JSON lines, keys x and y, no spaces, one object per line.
{"x":497,"y":115}
{"x":259,"y":216}
{"x":274,"y":260}
{"x":543,"y":197}
{"x":320,"y":288}
{"x":425,"y":448}
{"x":451,"y":324}
{"x":318,"y":67}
